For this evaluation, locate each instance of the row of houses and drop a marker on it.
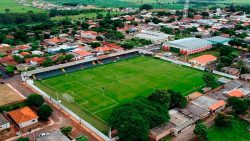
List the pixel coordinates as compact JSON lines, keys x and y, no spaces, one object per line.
{"x":200,"y":107}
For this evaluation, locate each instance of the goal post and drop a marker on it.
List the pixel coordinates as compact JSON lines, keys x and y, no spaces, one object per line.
{"x":68,"y":98}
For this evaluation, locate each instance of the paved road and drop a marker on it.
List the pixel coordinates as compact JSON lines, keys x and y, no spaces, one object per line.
{"x":60,"y":118}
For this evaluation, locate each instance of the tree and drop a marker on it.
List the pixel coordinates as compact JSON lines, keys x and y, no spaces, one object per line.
{"x":23,"y":139}
{"x":162,"y":97}
{"x":226,"y":61}
{"x":167,"y":30}
{"x":209,"y":79}
{"x":66,"y":130}
{"x":223,"y":120}
{"x":10,"y":69}
{"x":82,"y":138}
{"x":48,"y":63}
{"x":127,"y":45}
{"x":146,"y":7}
{"x":239,"y":106}
{"x":95,"y":44}
{"x":1,"y":75}
{"x":68,"y":57}
{"x":177,"y":100}
{"x":99,"y":38}
{"x":85,"y":25}
{"x":44,"y":112}
{"x":113,"y":35}
{"x":35,"y":100}
{"x":201,"y":131}
{"x":129,"y":123}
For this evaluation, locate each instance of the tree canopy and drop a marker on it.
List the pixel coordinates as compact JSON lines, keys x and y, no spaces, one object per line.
{"x":44,"y":112}
{"x":35,"y":100}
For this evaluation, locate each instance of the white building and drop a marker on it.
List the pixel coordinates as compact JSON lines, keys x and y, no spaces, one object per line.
{"x":23,"y":117}
{"x":4,"y":123}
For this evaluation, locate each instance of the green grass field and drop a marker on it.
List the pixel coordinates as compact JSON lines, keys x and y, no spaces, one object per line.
{"x":98,"y":90}
{"x":81,"y":16}
{"x":238,"y":132}
{"x":136,"y":3}
{"x":16,"y":7}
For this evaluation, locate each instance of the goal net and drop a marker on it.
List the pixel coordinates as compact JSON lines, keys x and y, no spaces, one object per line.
{"x":68,"y":98}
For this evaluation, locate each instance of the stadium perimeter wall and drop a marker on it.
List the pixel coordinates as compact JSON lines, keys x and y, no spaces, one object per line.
{"x":79,"y":119}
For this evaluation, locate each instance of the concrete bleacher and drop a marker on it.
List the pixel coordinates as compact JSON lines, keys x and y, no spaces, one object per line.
{"x":79,"y":66}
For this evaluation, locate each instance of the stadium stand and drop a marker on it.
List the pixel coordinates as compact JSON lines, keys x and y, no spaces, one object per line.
{"x":61,"y":69}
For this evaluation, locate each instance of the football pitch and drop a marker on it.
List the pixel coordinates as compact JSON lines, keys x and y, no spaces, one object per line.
{"x":97,"y":91}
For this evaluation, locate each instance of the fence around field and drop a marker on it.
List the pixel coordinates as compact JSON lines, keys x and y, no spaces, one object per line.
{"x":82,"y":121}
{"x":196,"y":67}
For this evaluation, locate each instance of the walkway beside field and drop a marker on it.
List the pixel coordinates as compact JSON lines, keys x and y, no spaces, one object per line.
{"x":60,"y":118}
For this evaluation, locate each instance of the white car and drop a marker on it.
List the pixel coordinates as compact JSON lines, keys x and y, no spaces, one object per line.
{"x":43,"y":134}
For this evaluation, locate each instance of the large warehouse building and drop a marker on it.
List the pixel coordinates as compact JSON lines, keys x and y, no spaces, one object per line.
{"x":188,"y":46}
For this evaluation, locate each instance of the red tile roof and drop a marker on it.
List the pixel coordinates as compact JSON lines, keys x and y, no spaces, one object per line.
{"x":103,"y":49}
{"x":235,"y":93}
{"x":22,"y":115}
{"x":204,"y":59}
{"x":82,"y":52}
{"x":6,"y":59}
{"x":35,"y":59}
{"x":24,"y":53}
{"x":217,"y":105}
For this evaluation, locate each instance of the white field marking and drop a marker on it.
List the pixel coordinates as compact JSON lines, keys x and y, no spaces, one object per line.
{"x":105,"y":108}
{"x":78,"y":105}
{"x":98,"y":92}
{"x":85,"y":101}
{"x":50,"y":87}
{"x":56,"y":85}
{"x":192,"y":75}
{"x":91,"y":113}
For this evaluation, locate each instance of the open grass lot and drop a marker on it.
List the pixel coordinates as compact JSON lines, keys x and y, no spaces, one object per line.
{"x":238,"y":132}
{"x":81,"y":16}
{"x":16,"y":7}
{"x":136,"y":3}
{"x":98,"y":90}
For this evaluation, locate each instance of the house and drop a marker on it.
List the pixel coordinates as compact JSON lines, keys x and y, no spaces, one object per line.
{"x":4,"y":49}
{"x":23,"y":117}
{"x":6,"y":59}
{"x":37,"y":52}
{"x":203,"y":60}
{"x":83,"y":53}
{"x":180,"y":121}
{"x":103,"y":50}
{"x":193,"y":96}
{"x":235,"y":93}
{"x":20,"y":48}
{"x":89,"y":34}
{"x":23,"y":54}
{"x":229,"y":70}
{"x":35,"y":61}
{"x":245,"y":77}
{"x":211,"y":104}
{"x":53,"y":41}
{"x":4,"y":123}
{"x":54,"y":136}
{"x":64,"y":47}
{"x":113,"y":46}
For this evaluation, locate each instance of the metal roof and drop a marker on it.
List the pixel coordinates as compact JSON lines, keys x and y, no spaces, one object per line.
{"x":218,"y":39}
{"x":189,"y":43}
